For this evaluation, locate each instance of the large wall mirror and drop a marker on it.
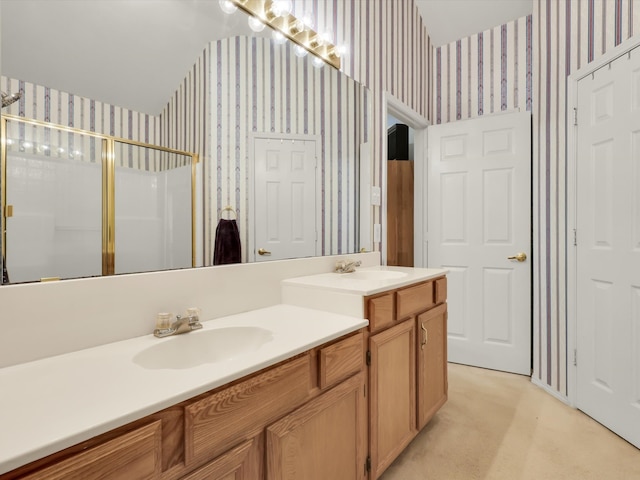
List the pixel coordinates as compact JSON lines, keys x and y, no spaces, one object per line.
{"x":193,"y":80}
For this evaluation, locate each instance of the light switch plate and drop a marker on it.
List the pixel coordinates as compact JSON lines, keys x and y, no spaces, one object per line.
{"x":375,"y":196}
{"x":376,"y":232}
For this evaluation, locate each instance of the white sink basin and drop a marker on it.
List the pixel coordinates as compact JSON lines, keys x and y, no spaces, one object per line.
{"x":372,"y":275}
{"x":203,"y":346}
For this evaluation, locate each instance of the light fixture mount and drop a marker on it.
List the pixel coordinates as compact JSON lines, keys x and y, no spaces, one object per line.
{"x":291,"y":27}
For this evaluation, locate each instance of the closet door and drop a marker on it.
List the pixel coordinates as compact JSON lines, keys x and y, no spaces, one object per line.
{"x":608,"y":246}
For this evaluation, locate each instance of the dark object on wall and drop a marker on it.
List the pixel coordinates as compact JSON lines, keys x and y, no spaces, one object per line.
{"x":227,"y":247}
{"x":5,"y":273}
{"x":398,"y":142}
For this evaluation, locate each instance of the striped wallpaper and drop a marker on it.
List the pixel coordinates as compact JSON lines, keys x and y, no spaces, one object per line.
{"x":389,"y":50}
{"x":380,"y":56}
{"x":485,"y":73}
{"x":252,"y":85}
{"x":568,"y":35}
{"x":50,"y":105}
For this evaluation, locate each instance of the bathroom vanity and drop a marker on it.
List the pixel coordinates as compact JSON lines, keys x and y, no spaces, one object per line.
{"x":406,"y":345}
{"x":311,"y":393}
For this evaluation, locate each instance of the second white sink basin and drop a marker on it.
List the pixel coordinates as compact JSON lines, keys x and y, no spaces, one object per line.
{"x":372,"y":275}
{"x":203,"y":346}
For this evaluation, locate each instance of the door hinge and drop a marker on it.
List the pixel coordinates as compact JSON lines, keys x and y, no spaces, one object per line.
{"x":367,"y":465}
{"x":368,"y":357}
{"x":575,"y":237}
{"x":575,"y":357}
{"x":575,"y":116}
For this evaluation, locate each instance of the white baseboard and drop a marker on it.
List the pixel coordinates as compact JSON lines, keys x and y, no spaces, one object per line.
{"x":550,"y":391}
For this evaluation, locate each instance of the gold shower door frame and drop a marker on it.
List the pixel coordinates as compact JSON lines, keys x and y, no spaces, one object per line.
{"x":108,"y":184}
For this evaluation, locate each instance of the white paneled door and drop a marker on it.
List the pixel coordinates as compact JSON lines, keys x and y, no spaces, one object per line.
{"x":479,"y":220}
{"x":285,"y":198}
{"x":608,"y":246}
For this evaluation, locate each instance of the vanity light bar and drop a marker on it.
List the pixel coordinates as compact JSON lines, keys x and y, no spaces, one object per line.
{"x":292,"y":28}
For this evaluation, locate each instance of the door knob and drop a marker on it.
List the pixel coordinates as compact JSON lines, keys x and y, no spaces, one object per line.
{"x":262,"y":251}
{"x":521,"y":257}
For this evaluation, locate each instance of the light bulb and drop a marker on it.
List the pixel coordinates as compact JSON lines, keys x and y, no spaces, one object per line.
{"x":341,"y":50}
{"x":300,"y":51}
{"x":278,"y":37}
{"x":325,"y":38}
{"x":255,"y":24}
{"x":307,"y":19}
{"x":281,"y":8}
{"x":317,"y":62}
{"x":227,"y":6}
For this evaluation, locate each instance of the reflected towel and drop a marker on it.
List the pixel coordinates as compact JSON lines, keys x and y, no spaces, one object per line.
{"x":227,"y":247}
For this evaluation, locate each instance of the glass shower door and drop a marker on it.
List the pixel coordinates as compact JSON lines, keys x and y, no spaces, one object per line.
{"x":153,"y":209}
{"x":53,"y":203}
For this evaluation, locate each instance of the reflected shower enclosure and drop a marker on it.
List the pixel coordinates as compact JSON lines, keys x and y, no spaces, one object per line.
{"x":79,"y":204}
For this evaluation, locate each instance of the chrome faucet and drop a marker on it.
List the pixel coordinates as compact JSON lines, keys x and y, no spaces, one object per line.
{"x":347,"y":266}
{"x":182,"y":324}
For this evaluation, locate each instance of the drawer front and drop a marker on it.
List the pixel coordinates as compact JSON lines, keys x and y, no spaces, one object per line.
{"x":414,"y":299}
{"x":380,"y":311}
{"x":341,"y":360}
{"x":236,"y":413}
{"x":132,"y":456}
{"x":441,"y":290}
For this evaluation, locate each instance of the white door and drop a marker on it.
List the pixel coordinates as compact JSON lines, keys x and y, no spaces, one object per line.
{"x":479,"y":215}
{"x":284,"y":198}
{"x":608,"y":246}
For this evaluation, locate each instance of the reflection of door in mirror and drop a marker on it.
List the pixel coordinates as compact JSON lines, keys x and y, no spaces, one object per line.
{"x":285,"y":197}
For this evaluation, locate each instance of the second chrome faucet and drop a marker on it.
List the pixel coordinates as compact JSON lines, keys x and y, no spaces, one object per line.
{"x":347,"y":266}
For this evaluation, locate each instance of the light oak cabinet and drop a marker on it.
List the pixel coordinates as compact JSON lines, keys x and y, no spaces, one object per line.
{"x":392,"y":383}
{"x":303,"y":418}
{"x":407,"y":360}
{"x":323,"y":439}
{"x":432,"y":363}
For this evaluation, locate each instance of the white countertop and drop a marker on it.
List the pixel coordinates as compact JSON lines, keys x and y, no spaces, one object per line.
{"x":344,"y":292}
{"x":366,"y":281}
{"x":57,"y":402}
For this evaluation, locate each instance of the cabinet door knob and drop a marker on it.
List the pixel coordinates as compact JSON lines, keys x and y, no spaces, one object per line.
{"x":425,"y":336}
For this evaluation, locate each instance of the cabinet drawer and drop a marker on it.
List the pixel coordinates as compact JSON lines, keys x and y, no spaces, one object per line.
{"x":238,"y":412}
{"x":441,"y":290}
{"x":341,"y":360}
{"x":414,"y":299}
{"x":132,"y":456}
{"x":380,"y":311}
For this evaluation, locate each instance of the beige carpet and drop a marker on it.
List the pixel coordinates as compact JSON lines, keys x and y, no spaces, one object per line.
{"x":498,"y":426}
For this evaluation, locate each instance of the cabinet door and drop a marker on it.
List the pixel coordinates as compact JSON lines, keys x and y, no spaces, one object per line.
{"x":392,"y":383}
{"x":324,"y":439}
{"x":239,"y":463}
{"x":132,"y":456}
{"x":432,"y":362}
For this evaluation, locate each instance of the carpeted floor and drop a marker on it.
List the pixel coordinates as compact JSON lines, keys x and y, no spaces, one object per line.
{"x":499,"y":426}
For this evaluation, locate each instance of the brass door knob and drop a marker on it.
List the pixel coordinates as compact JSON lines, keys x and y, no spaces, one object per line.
{"x":521,"y":257}
{"x":262,"y":251}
